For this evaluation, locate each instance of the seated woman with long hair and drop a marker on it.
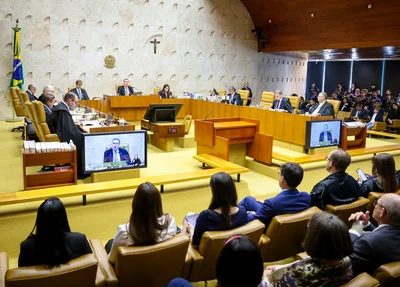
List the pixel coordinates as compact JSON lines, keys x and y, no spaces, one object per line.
{"x":53,"y":243}
{"x":328,"y":243}
{"x":383,"y":176}
{"x":239,"y":264}
{"x":222,"y":213}
{"x":147,"y":225}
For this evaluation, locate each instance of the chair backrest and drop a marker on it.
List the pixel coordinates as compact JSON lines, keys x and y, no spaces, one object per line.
{"x":187,"y":121}
{"x":157,"y":90}
{"x":385,"y":114}
{"x":388,"y":275}
{"x":153,"y":265}
{"x":221,"y":92}
{"x":336,"y":105}
{"x":79,"y":272}
{"x":362,"y":280}
{"x":294,"y":101}
{"x":17,"y":105}
{"x":287,"y":233}
{"x":267,"y":98}
{"x":117,"y":87}
{"x":212,"y":242}
{"x":40,"y":118}
{"x":30,"y":110}
{"x":345,"y":210}
{"x":244,"y":95}
{"x":343,"y":115}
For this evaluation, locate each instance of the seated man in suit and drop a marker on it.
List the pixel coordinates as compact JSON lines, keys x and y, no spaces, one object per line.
{"x":358,"y":113}
{"x":339,"y":187}
{"x":48,"y":103}
{"x":234,"y":97}
{"x":281,"y":103}
{"x":81,"y":93}
{"x":116,"y":153}
{"x":125,"y":90}
{"x":288,"y":201}
{"x":47,"y":90}
{"x":31,"y":92}
{"x":322,"y":108}
{"x":247,"y":88}
{"x":381,"y":246}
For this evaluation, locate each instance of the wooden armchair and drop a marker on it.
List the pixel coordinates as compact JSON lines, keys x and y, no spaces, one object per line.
{"x":344,"y":211}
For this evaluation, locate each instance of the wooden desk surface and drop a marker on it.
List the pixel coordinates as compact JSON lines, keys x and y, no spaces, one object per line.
{"x":234,"y":124}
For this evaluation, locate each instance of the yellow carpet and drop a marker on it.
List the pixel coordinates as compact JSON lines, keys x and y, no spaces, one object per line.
{"x":104,"y":212}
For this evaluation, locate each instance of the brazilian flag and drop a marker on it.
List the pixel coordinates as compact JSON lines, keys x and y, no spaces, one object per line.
{"x":18,"y":71}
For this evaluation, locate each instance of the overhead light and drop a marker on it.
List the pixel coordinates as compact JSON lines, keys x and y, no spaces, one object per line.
{"x":270,"y":21}
{"x":353,"y":50}
{"x":369,"y":6}
{"x":312,"y":15}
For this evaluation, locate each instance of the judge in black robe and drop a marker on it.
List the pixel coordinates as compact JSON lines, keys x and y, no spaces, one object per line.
{"x":63,"y":125}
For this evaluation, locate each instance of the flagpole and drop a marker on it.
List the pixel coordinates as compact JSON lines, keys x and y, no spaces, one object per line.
{"x":14,"y":118}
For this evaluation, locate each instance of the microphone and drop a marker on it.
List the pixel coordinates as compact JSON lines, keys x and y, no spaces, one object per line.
{"x":59,"y":90}
{"x":212,"y":111}
{"x":140,"y":91}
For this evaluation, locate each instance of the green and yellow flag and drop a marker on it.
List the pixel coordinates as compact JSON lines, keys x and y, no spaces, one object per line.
{"x":17,"y":78}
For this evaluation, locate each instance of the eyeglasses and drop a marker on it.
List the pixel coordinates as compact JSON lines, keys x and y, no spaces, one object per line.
{"x":375,"y":203}
{"x":327,"y":159}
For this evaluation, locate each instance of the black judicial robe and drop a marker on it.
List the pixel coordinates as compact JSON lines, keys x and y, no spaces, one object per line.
{"x":63,"y":125}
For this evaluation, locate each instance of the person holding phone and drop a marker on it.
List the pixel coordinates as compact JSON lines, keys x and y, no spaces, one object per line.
{"x":383,"y":177}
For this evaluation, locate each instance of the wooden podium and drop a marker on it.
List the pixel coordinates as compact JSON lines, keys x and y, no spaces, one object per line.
{"x":360,"y":138}
{"x":164,"y":133}
{"x":233,"y":139}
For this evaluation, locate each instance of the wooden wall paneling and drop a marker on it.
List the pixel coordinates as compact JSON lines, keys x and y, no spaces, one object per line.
{"x":279,"y":126}
{"x":289,"y":131}
{"x":299,"y":125}
{"x":262,"y":116}
{"x":269,"y":122}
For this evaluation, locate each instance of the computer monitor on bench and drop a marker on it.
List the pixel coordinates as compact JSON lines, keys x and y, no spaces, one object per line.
{"x":162,"y":112}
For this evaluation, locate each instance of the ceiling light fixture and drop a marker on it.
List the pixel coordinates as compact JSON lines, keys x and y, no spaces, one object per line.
{"x":369,"y":6}
{"x":312,"y":15}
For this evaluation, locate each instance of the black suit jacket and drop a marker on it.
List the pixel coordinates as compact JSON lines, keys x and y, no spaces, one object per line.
{"x":31,"y":96}
{"x":121,"y":91}
{"x":250,"y":96}
{"x":325,"y":110}
{"x":31,"y":254}
{"x":84,"y":94}
{"x":163,"y":95}
{"x":235,"y":99}
{"x":123,"y":155}
{"x":284,"y":105}
{"x":372,"y":249}
{"x":48,"y":114}
{"x":362,"y":115}
{"x":379,"y":116}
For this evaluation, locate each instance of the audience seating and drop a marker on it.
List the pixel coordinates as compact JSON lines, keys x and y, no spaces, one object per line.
{"x":205,"y":258}
{"x":150,"y":266}
{"x":362,"y":280}
{"x":336,"y":105}
{"x":372,"y":196}
{"x":18,"y":108}
{"x":343,"y":115}
{"x":284,"y":235}
{"x":380,"y":126}
{"x":244,"y":95}
{"x":267,"y":98}
{"x":79,"y":272}
{"x":388,"y":275}
{"x":345,"y":210}
{"x":187,"y":121}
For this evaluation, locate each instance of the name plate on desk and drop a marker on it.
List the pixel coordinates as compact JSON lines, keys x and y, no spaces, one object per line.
{"x":172,"y":130}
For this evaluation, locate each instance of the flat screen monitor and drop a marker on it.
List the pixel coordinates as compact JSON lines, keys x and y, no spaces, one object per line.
{"x":152,"y":116}
{"x":114,"y":151}
{"x":323,"y":133}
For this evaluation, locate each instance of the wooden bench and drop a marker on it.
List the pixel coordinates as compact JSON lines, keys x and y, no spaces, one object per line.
{"x":219,"y":165}
{"x":384,"y":134}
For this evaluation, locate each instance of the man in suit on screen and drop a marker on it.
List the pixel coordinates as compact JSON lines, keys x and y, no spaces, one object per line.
{"x":116,"y":153}
{"x":325,"y":136}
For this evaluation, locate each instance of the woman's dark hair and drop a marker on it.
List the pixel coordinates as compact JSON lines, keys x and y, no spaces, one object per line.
{"x":239,"y":263}
{"x":383,"y":167}
{"x":51,"y":225}
{"x":224,"y":194}
{"x":47,"y":99}
{"x":144,"y":225}
{"x":215,"y":92}
{"x":166,"y":85}
{"x":327,"y":238}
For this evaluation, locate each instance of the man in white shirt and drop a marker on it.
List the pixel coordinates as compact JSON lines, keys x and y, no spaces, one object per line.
{"x":381,"y":246}
{"x":375,"y":118}
{"x":323,"y":108}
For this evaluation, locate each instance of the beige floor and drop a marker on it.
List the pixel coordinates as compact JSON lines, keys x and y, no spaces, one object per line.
{"x":104,"y":212}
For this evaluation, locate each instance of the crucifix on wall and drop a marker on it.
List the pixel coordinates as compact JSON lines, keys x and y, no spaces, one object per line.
{"x":155,"y":42}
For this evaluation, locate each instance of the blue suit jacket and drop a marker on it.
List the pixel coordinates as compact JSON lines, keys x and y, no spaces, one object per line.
{"x":123,"y":154}
{"x":372,"y":249}
{"x":287,"y":202}
{"x":236,"y":100}
{"x":121,"y":91}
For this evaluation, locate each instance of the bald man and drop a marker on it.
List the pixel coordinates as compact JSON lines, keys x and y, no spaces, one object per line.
{"x":382,"y":245}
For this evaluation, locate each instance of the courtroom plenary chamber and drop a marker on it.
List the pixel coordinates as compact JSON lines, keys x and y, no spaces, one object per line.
{"x":224,"y":143}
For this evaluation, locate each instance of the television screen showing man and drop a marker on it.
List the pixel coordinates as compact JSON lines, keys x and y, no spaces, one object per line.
{"x":117,"y":154}
{"x":326,"y":136}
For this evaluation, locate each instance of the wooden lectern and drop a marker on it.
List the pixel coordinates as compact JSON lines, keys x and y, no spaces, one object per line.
{"x":164,"y":133}
{"x":360,"y":138}
{"x":227,"y":136}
